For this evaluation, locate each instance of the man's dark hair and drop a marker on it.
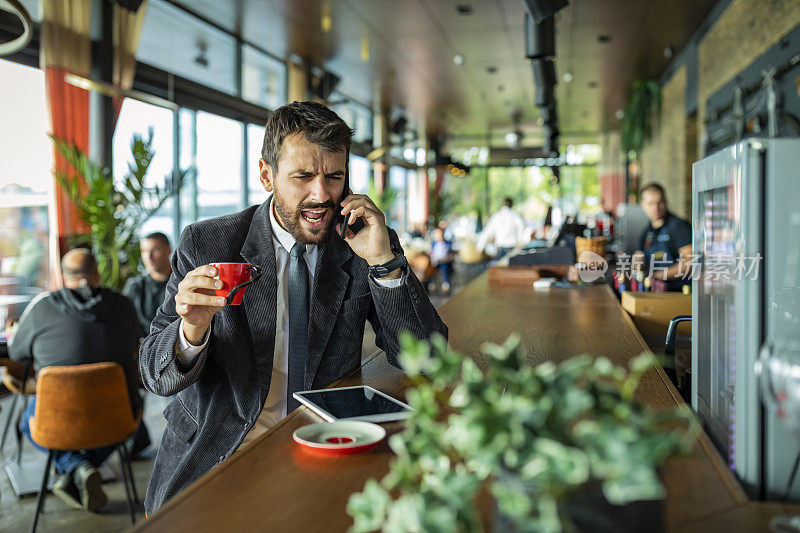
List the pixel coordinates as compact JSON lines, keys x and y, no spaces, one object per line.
{"x":653,"y":187}
{"x":318,"y":124}
{"x":158,"y":236}
{"x":508,"y":202}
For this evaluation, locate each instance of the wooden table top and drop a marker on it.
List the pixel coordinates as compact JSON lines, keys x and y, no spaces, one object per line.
{"x":274,"y":484}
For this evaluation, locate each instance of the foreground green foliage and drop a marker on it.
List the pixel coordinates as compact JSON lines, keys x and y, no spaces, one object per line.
{"x":114,"y":210}
{"x":529,"y":436}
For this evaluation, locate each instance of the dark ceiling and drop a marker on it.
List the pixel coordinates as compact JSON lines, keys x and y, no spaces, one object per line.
{"x":411,"y":45}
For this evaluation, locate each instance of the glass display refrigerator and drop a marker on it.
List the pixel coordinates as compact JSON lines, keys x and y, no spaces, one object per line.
{"x":746,"y":266}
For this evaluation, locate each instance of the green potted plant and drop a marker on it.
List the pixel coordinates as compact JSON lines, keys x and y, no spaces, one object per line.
{"x":641,"y":116}
{"x":114,"y":209}
{"x":551,"y":448}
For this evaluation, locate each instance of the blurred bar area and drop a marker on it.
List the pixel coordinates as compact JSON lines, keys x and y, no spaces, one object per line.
{"x":601,"y":177}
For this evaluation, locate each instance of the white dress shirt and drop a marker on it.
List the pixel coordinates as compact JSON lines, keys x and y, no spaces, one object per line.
{"x":505,"y":229}
{"x":283,"y":242}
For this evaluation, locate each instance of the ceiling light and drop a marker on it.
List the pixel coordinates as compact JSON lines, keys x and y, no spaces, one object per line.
{"x":458,"y":59}
{"x":567,"y":77}
{"x":620,"y":114}
{"x":511,"y":138}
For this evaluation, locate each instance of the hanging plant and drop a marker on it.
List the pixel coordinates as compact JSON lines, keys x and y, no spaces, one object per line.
{"x":641,"y":115}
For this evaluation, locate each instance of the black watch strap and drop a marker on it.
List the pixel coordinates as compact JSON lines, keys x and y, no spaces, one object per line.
{"x":379,"y":271}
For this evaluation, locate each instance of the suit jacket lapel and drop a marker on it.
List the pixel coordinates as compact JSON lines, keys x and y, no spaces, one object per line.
{"x":260,"y":299}
{"x":330,"y":284}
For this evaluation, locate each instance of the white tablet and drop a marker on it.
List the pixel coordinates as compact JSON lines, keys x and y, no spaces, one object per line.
{"x":354,"y":403}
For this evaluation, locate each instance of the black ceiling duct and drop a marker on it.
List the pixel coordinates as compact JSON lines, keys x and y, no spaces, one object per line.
{"x":542,"y":9}
{"x":544,"y":78}
{"x":322,"y":86}
{"x":540,"y":38}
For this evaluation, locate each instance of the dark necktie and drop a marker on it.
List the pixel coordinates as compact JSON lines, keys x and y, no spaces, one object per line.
{"x":298,"y":323}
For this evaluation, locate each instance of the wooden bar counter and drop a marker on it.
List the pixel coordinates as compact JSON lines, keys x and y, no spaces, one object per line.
{"x":274,"y":485}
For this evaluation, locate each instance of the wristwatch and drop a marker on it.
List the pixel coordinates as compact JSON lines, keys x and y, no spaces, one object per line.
{"x":379,"y":271}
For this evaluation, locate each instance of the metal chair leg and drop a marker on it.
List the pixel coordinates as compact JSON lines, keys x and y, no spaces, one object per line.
{"x":128,"y":496}
{"x":8,"y":421}
{"x":130,"y":476}
{"x":19,"y":434}
{"x":42,"y":491}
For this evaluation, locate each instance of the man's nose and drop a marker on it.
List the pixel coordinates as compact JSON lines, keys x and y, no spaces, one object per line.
{"x":319,"y":193}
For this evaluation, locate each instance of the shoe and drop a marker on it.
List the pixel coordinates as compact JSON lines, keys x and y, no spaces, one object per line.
{"x":445,"y":288}
{"x":89,"y":482}
{"x":66,"y":490}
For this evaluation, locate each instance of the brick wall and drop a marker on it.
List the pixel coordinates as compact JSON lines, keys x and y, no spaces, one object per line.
{"x":664,"y":158}
{"x":743,"y":32}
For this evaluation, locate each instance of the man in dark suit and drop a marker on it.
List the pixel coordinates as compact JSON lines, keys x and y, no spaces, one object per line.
{"x":233,"y":369}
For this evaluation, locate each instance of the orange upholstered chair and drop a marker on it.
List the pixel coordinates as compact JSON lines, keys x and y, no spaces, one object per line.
{"x":83,"y":407}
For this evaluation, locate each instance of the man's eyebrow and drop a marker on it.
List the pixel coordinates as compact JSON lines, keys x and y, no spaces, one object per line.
{"x":305,"y":172}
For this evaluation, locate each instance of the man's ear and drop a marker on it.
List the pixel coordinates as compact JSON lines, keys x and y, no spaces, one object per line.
{"x":266,"y":175}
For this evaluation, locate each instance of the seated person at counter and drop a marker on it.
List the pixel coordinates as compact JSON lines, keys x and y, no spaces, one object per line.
{"x":147,"y":290}
{"x":79,"y":324}
{"x":234,"y":368}
{"x":665,"y":247}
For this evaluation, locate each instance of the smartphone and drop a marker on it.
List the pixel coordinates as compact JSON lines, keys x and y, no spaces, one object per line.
{"x":359,"y":224}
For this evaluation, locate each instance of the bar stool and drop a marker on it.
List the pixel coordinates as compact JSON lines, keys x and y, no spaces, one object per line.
{"x":11,"y":373}
{"x":83,"y":407}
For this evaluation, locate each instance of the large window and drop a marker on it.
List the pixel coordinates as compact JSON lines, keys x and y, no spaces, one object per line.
{"x":219,"y":165}
{"x":255,"y":139}
{"x":139,"y":118}
{"x":397,"y":211}
{"x":25,"y":184}
{"x":359,"y":174}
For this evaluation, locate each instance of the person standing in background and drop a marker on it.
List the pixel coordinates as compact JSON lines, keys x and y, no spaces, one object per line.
{"x":146,"y":292}
{"x":505,"y":229}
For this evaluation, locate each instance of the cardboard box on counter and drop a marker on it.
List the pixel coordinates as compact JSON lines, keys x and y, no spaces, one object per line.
{"x":652,"y":311}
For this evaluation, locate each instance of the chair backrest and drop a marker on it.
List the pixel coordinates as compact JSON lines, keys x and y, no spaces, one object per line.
{"x":81,"y":407}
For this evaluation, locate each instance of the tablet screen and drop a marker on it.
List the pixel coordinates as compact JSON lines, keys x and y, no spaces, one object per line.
{"x":350,"y":403}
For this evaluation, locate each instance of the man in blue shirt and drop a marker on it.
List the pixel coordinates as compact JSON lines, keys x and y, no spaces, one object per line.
{"x":665,"y":247}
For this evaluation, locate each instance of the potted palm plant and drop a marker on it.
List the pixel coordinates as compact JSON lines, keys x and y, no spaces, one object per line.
{"x":521,"y":448}
{"x":114,"y":209}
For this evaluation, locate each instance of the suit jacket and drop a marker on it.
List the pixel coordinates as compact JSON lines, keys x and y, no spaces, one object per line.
{"x":220,"y":397}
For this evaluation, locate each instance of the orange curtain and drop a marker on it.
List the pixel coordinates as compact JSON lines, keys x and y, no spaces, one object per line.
{"x":66,"y":48}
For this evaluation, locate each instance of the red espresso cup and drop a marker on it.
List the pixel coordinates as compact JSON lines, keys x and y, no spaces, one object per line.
{"x":235,"y":278}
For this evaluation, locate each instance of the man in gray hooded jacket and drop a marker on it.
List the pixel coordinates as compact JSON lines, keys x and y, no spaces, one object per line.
{"x":79,"y":324}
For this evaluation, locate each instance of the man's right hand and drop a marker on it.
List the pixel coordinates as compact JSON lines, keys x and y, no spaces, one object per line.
{"x":196,"y":303}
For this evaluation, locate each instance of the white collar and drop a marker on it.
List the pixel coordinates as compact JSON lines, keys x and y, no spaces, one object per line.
{"x":283,"y":236}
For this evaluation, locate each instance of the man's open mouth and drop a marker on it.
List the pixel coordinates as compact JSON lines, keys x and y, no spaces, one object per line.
{"x":315,"y":217}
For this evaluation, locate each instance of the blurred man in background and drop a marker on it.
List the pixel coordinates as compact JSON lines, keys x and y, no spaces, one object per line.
{"x":147,"y":290}
{"x":79,"y":324}
{"x":665,"y":247}
{"x":505,"y":230}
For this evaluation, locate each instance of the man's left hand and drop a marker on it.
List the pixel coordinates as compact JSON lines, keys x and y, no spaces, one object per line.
{"x":372,"y":242}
